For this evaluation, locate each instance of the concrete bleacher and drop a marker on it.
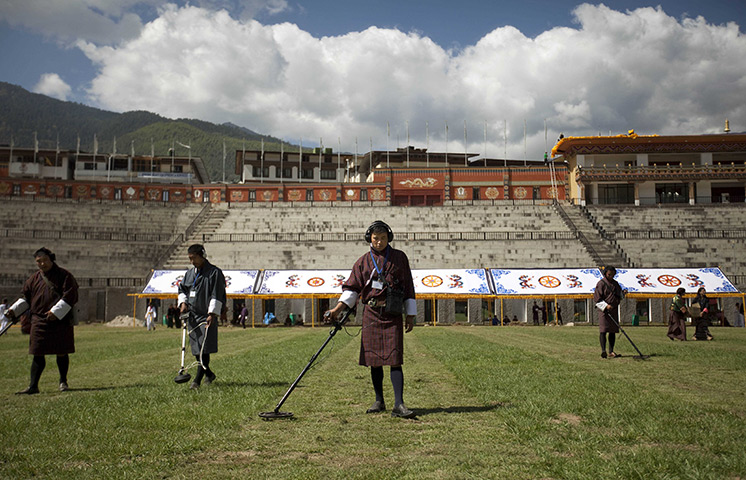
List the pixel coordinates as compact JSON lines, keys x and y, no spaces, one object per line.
{"x":423,"y":252}
{"x":688,"y":221}
{"x":94,"y":240}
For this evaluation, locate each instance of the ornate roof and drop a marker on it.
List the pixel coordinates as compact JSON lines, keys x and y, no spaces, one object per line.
{"x":633,"y":143}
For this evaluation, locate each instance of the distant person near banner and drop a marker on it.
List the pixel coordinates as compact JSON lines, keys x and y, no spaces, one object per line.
{"x":677,"y":320}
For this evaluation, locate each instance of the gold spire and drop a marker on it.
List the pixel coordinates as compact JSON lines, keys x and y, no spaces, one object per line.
{"x":727,"y":126}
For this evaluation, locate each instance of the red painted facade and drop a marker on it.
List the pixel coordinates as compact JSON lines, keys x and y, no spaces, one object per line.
{"x":401,"y":186}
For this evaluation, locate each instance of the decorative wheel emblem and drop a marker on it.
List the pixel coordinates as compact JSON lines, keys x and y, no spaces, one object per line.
{"x":316,"y":281}
{"x":432,"y":281}
{"x":549,"y":281}
{"x":669,"y":280}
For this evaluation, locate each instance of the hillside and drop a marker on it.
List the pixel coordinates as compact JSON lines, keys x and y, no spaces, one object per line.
{"x":25,"y":113}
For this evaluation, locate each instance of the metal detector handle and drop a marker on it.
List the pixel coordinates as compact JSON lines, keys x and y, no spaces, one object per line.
{"x":339,"y":323}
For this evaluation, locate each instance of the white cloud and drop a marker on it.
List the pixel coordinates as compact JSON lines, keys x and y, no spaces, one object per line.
{"x":640,"y":69}
{"x":52,"y":85}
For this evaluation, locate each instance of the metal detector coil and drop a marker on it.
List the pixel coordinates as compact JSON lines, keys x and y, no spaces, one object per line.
{"x":337,"y":326}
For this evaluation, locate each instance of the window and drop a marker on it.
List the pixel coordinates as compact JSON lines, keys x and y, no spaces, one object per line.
{"x":287,"y":173}
{"x":177,"y":168}
{"x":363,"y":195}
{"x":329,"y":174}
{"x":89,"y":166}
{"x":309,"y":194}
{"x":307,"y":173}
{"x":475,"y":193}
{"x":252,"y":195}
{"x":537,"y":193}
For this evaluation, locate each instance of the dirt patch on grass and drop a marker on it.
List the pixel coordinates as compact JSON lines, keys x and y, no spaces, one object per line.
{"x":567,"y":418}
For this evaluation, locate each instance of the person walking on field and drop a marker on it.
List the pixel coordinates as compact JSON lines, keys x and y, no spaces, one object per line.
{"x":382,"y":280}
{"x":607,"y":296}
{"x":49,"y":295}
{"x":677,"y":320}
{"x":202,"y":294}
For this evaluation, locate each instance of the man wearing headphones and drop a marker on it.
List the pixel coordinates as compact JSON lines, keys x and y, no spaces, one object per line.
{"x":49,"y":295}
{"x":382,"y":280}
{"x":202,"y":294}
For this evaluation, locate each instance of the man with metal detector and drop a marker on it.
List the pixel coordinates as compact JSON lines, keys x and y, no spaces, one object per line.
{"x":382,"y":280}
{"x":49,"y":295}
{"x":202,"y":295}
{"x":607,"y":296}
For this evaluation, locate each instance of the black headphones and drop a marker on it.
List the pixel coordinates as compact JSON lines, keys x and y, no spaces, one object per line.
{"x":376,"y":225}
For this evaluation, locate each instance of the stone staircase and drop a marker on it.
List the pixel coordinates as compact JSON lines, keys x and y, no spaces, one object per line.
{"x":212,"y":221}
{"x":602,"y":250}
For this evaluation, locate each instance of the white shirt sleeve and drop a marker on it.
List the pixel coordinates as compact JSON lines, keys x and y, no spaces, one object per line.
{"x":20,"y":307}
{"x":410,"y":306}
{"x":215,"y":307}
{"x":61,"y":308}
{"x":182,"y":299}
{"x":349,"y":298}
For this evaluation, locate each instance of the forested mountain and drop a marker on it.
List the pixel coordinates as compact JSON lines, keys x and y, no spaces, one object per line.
{"x":22,"y":113}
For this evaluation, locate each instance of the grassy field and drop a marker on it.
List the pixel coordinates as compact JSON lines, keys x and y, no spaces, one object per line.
{"x":492,"y":402}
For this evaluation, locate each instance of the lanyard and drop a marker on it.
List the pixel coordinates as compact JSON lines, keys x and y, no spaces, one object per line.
{"x":380,"y":270}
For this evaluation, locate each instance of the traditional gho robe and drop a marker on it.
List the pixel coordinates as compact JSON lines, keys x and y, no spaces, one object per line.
{"x":204,"y":291}
{"x":382,"y":338}
{"x":608,"y":291}
{"x":677,"y":320}
{"x":58,"y":294}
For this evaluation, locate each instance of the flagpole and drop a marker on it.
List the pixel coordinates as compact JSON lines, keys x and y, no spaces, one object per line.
{"x":282,"y":154}
{"x":243,"y":159}
{"x":300,"y":162}
{"x":446,"y":157}
{"x":466,"y":148}
{"x":57,"y":155}
{"x":407,"y":143}
{"x":505,"y":142}
{"x":524,"y":142}
{"x":152,"y":158}
{"x":321,"y":150}
{"x":388,"y":135}
{"x":223,"y":159}
{"x":36,"y":151}
{"x":427,"y":144}
{"x":261,"y":163}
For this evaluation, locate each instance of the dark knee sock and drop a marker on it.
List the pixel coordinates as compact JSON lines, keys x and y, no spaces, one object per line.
{"x":397,"y":381}
{"x":37,"y":366}
{"x":602,"y":339}
{"x":63,"y":365}
{"x":376,"y":376}
{"x":206,"y":363}
{"x":612,"y":341}
{"x":200,"y":372}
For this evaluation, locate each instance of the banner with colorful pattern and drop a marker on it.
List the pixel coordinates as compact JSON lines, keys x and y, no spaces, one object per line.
{"x":302,"y":282}
{"x":166,"y":282}
{"x":668,"y":280}
{"x":545,"y":281}
{"x":634,"y":280}
{"x":451,"y":282}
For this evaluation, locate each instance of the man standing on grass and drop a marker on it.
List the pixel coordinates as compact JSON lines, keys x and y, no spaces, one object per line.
{"x":382,"y":280}
{"x":50,"y":295}
{"x":607,"y":296}
{"x":202,"y":294}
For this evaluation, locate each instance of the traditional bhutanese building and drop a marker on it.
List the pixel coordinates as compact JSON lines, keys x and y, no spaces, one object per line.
{"x":653,"y":169}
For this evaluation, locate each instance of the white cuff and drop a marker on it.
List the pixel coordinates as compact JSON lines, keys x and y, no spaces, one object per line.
{"x":20,"y":307}
{"x":349,"y":298}
{"x":60,"y":309}
{"x":602,"y":305}
{"x":410,"y":306}
{"x":182,"y":299}
{"x":215,"y":307}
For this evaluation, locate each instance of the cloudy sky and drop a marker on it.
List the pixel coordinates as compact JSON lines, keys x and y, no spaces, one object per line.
{"x":385,"y":69}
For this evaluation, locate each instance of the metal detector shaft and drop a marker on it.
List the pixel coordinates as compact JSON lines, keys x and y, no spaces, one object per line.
{"x":625,"y":334}
{"x":337,"y":327}
{"x":7,"y":327}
